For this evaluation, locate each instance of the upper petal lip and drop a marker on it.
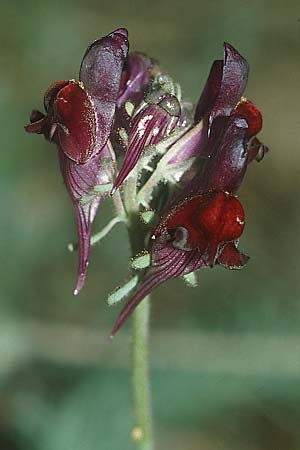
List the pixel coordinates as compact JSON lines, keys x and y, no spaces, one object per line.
{"x":224,"y":87}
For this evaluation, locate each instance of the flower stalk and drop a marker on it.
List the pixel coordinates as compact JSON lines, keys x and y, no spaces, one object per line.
{"x":142,"y":431}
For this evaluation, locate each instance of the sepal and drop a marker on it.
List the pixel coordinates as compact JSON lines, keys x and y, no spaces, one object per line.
{"x":190,"y":279}
{"x":141,"y":261}
{"x":122,"y":292}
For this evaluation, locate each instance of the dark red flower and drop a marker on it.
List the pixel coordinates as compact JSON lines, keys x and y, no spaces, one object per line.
{"x":79,"y":120}
{"x":71,"y":120}
{"x":200,"y":231}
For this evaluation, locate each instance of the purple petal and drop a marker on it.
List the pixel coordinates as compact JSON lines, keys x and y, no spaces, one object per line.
{"x":100,"y":72}
{"x":189,"y":145}
{"x":210,"y":92}
{"x":225,"y":169}
{"x":136,"y":77}
{"x":149,"y":127}
{"x":220,"y":97}
{"x":80,"y":180}
{"x":168,"y":263}
{"x":196,"y":142}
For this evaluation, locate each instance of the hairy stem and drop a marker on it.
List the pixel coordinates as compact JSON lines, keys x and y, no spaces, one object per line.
{"x":142,"y":432}
{"x":130,"y":193}
{"x":118,"y":204}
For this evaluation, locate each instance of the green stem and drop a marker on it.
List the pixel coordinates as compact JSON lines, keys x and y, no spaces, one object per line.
{"x":142,"y":432}
{"x":118,"y":203}
{"x":130,"y":193}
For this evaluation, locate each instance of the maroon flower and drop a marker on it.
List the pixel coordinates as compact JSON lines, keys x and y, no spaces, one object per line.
{"x":203,"y":225}
{"x":79,"y":120}
{"x":200,"y":231}
{"x":220,"y":99}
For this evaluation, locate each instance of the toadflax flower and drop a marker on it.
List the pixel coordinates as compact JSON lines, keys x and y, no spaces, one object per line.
{"x":180,"y":168}
{"x":202,"y":226}
{"x":79,"y":118}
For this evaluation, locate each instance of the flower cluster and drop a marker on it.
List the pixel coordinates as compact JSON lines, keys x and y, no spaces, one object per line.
{"x":181,"y":168}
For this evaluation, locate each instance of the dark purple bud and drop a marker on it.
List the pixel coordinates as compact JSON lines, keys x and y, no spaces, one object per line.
{"x":149,"y":126}
{"x":100,"y":73}
{"x":136,"y":77}
{"x":225,"y":85}
{"x":83,"y":182}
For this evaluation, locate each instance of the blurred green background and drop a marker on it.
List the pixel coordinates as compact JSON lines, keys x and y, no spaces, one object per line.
{"x":225,"y":357}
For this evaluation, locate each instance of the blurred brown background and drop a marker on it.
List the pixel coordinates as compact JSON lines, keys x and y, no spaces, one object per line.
{"x":225,"y":357}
